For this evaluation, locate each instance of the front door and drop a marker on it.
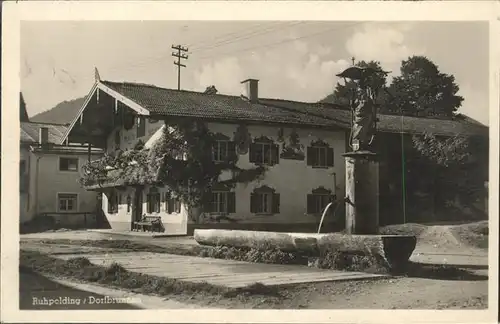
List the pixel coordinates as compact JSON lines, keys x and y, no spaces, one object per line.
{"x":137,"y":206}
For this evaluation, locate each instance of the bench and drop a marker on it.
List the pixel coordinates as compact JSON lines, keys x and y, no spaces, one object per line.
{"x":150,"y":223}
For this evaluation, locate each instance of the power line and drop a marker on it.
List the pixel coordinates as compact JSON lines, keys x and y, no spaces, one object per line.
{"x":228,"y":35}
{"x":283,"y":41}
{"x":158,"y":58}
{"x":179,"y":56}
{"x":247,"y":36}
{"x":259,"y":31}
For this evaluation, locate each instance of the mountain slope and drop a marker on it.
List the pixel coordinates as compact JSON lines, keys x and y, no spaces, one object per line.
{"x":62,"y":113}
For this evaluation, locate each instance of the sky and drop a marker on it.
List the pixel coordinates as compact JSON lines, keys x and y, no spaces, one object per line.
{"x":294,"y":60}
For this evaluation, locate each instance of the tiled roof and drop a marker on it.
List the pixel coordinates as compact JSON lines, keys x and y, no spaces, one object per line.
{"x":233,"y":108}
{"x":390,"y":123}
{"x":30,"y":132}
{"x":196,"y":104}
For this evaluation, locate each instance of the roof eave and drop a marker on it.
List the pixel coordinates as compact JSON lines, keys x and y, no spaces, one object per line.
{"x":98,"y":85}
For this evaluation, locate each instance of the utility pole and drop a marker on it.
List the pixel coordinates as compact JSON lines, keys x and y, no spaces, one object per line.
{"x":180,"y":55}
{"x":353,"y":59}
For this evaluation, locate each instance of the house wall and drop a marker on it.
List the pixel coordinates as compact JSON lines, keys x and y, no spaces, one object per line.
{"x":46,"y":181}
{"x":292,"y":179}
{"x":129,"y":138}
{"x":174,"y":223}
{"x":25,"y":206}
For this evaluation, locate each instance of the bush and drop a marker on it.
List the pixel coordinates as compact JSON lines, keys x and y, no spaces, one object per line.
{"x":79,"y":262}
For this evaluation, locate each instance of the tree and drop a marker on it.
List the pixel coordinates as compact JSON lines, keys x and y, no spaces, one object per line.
{"x":342,"y":95}
{"x":422,"y":90}
{"x":181,"y":159}
{"x":458,"y":166}
{"x":23,"y":114}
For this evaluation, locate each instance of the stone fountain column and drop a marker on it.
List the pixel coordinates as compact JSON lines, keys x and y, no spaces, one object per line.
{"x":362,"y":193}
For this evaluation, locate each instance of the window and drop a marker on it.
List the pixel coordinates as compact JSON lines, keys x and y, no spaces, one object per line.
{"x":67,"y":202}
{"x":153,"y":200}
{"x":129,"y":203}
{"x":68,"y":164}
{"x":318,"y":200}
{"x":224,"y":149}
{"x":264,"y":152}
{"x":172,"y":203}
{"x":320,"y":155}
{"x":222,"y":202}
{"x":264,"y":200}
{"x":220,"y":151}
{"x":112,"y":202}
{"x":141,"y":126}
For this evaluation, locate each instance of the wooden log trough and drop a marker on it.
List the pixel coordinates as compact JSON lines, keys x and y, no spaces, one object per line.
{"x":391,"y":251}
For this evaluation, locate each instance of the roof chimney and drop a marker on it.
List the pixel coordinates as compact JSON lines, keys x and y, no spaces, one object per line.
{"x":251,"y":90}
{"x":43,"y":136}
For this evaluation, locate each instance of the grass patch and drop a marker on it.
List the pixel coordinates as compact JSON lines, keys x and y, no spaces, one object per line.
{"x":115,"y":275}
{"x":345,"y":261}
{"x":257,"y":255}
{"x":403,"y":229}
{"x":326,"y":259}
{"x":439,"y":272}
{"x":357,"y":262}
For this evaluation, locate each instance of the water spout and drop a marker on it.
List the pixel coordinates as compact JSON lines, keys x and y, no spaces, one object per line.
{"x":324,"y":213}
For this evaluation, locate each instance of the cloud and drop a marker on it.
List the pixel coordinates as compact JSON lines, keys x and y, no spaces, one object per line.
{"x":298,"y":70}
{"x":382,"y":43}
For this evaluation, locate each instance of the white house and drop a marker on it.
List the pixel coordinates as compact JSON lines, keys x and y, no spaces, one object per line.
{"x":49,"y":174}
{"x":300,"y":143}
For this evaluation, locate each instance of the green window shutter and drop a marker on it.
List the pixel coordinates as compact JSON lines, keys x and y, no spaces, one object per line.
{"x":231,"y":202}
{"x":275,"y":149}
{"x":254,"y":203}
{"x":310,"y":204}
{"x":276,"y":203}
{"x":205,"y":202}
{"x":148,"y":204}
{"x":310,"y":152}
{"x":170,"y":205}
{"x":329,"y":157}
{"x":157,"y":203}
{"x":231,"y":151}
{"x":252,"y":154}
{"x":177,"y":205}
{"x":141,"y":126}
{"x":110,"y":203}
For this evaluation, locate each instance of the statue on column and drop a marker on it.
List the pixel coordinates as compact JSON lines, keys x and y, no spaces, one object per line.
{"x":363,"y":107}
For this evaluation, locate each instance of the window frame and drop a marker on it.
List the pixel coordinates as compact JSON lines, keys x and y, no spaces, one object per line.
{"x":261,"y":196}
{"x":61,"y":158}
{"x":153,"y":201}
{"x":314,"y":158}
{"x":318,"y":160}
{"x":264,"y":201}
{"x":141,"y":126}
{"x":258,"y":147}
{"x":129,"y":204}
{"x":112,"y":202}
{"x":225,"y":196}
{"x":217,"y":155}
{"x":172,"y":203}
{"x":319,"y":198}
{"x":74,"y":196}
